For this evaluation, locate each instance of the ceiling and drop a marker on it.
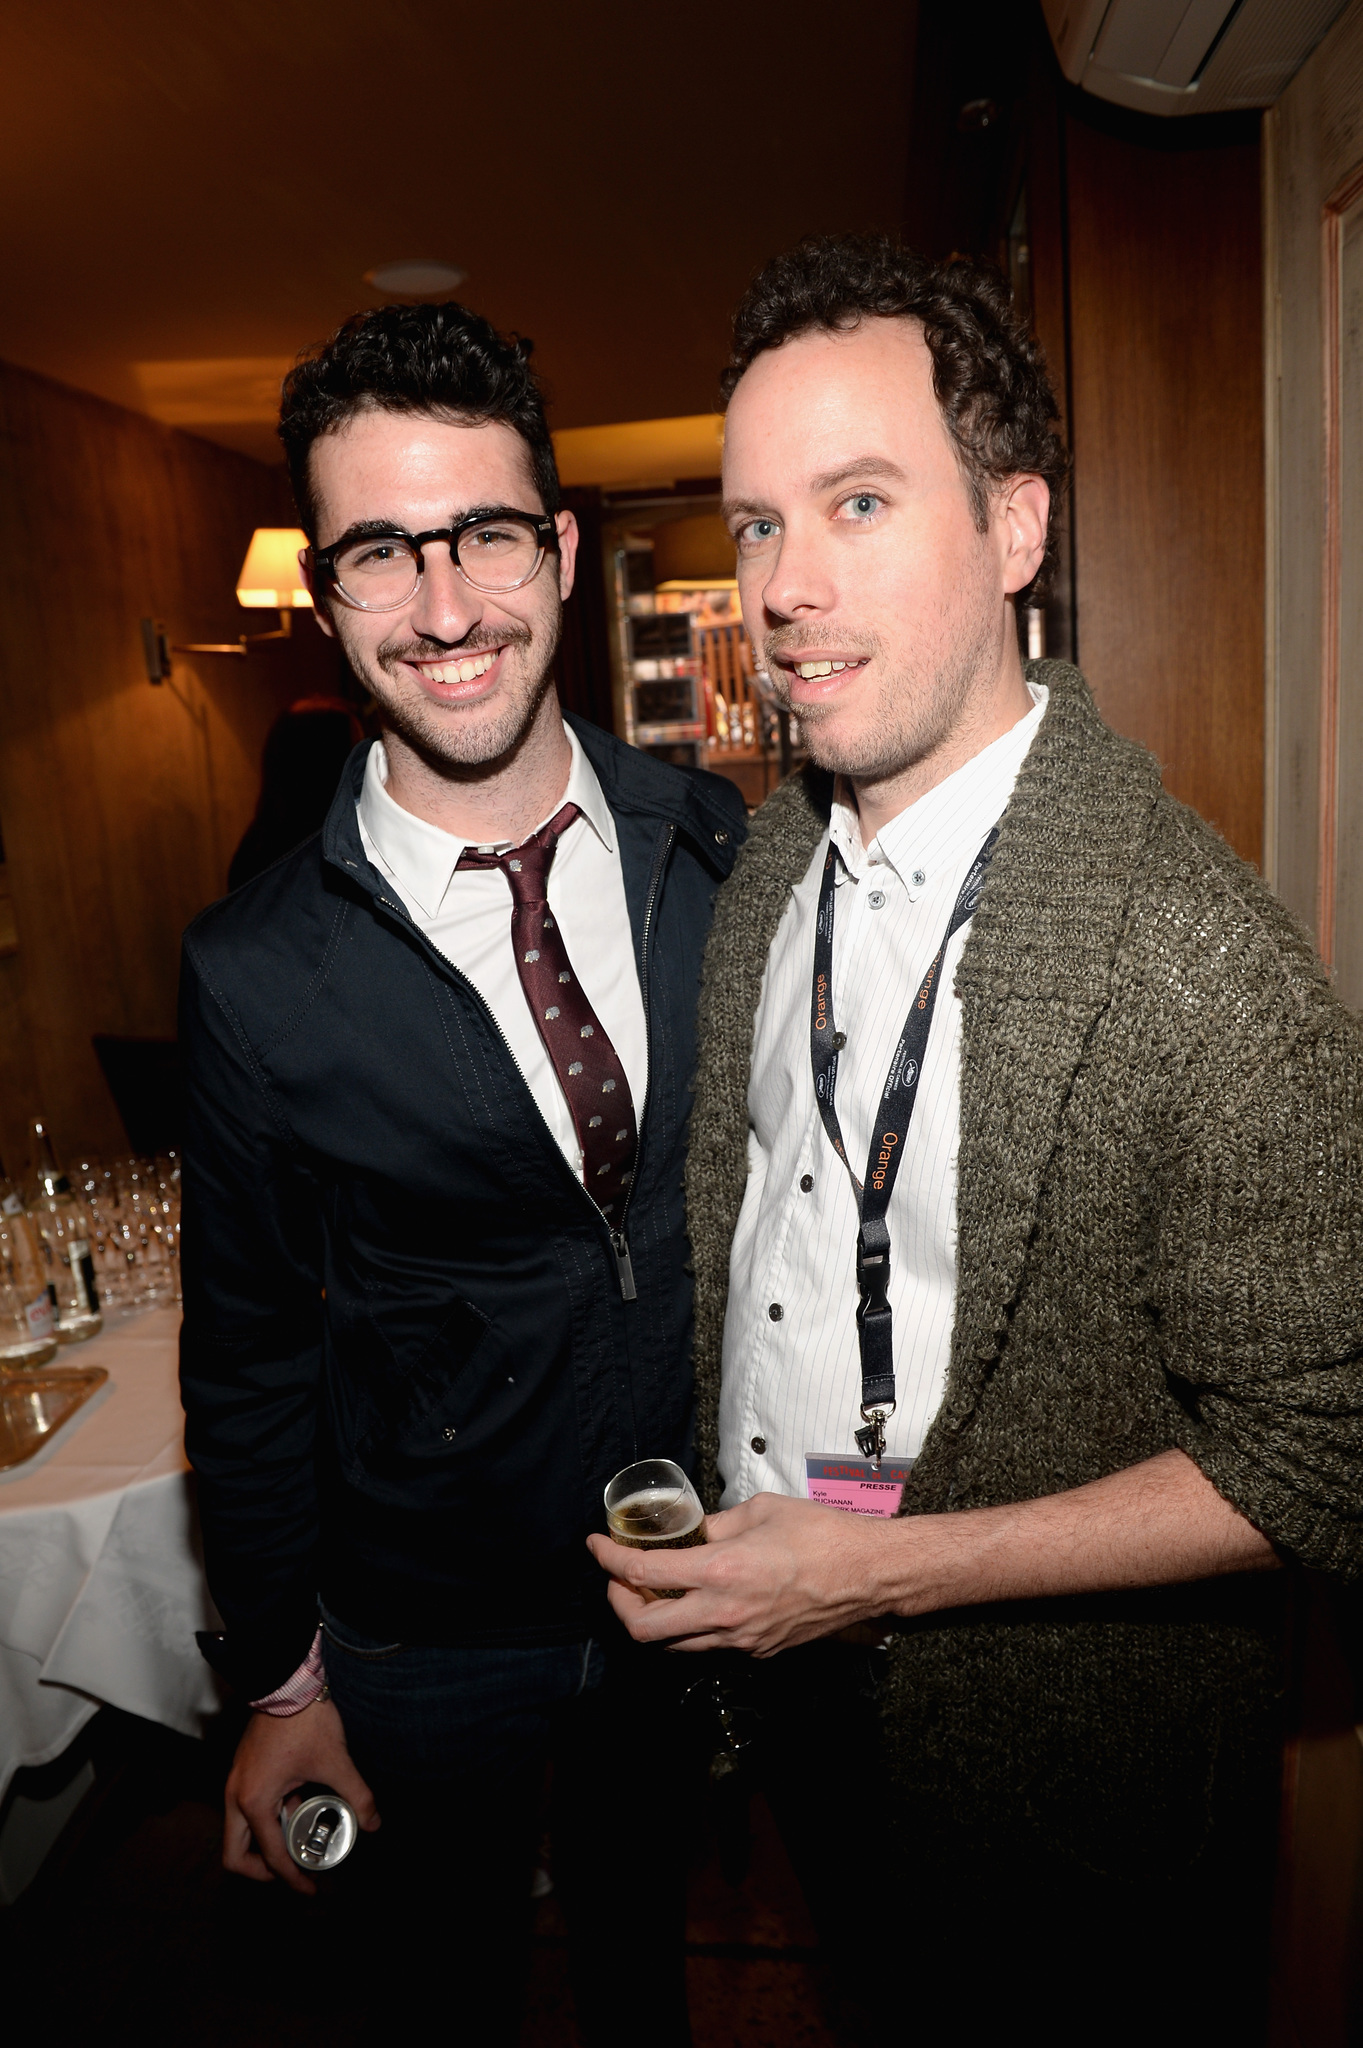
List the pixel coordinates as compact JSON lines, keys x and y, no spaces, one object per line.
{"x":194,"y":193}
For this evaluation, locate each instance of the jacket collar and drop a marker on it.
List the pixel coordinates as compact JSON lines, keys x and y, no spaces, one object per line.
{"x":634,"y":781}
{"x":631,"y":781}
{"x":422,"y":857}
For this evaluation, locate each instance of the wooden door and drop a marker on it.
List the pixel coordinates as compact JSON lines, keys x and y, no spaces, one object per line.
{"x":1313,"y":203}
{"x":1313,"y":328}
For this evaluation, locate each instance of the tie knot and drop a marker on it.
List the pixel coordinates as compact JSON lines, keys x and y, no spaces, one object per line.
{"x":527,"y":866}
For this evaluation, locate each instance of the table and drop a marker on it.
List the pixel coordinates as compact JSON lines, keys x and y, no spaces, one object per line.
{"x":101,"y":1584}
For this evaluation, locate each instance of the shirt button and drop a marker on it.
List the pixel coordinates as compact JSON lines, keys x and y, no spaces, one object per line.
{"x":759,"y":1444}
{"x":806,"y":1183}
{"x":876,"y":899}
{"x":839,"y":1040}
{"x":776,"y":1311}
{"x":918,"y":878}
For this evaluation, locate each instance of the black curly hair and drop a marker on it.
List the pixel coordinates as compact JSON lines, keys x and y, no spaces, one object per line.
{"x":441,"y":361}
{"x":988,"y":373}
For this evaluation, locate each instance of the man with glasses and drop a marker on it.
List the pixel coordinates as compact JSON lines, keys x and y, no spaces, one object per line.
{"x":436,"y":1287}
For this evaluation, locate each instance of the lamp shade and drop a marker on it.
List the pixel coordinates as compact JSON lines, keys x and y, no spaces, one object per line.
{"x":269,"y":578}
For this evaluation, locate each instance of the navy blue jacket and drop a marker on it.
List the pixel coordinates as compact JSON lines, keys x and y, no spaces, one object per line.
{"x":409,"y":1365}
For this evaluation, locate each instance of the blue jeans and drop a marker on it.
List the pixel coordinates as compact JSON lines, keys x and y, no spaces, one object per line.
{"x":457,"y":1744}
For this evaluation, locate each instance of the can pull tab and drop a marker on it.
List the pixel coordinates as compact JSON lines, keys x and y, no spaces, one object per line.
{"x":320,"y":1832}
{"x":314,"y":1845}
{"x":628,"y":1290}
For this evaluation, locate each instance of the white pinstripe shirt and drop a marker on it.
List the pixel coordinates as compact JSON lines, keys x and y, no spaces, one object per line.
{"x":792,"y":1381}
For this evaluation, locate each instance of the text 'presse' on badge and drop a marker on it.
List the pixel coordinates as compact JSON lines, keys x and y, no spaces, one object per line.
{"x":854,"y":1484}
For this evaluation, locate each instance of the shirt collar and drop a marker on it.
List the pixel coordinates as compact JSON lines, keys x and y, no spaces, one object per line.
{"x":948,"y":822}
{"x":421,"y":857}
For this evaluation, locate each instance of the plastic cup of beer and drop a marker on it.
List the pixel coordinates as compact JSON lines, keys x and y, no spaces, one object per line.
{"x":653,"y":1506}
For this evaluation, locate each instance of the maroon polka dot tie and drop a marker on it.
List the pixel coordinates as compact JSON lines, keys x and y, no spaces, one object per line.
{"x":587,"y":1064}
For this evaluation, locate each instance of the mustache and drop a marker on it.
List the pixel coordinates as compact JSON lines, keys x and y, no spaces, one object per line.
{"x":789,"y":643}
{"x":479,"y":641}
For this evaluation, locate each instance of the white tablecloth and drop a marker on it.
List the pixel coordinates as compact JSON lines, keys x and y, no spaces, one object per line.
{"x":101,"y":1587}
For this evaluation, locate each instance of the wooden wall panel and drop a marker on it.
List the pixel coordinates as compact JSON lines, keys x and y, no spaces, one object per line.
{"x":1167,"y":435}
{"x":1042,"y":178}
{"x":120,"y":803}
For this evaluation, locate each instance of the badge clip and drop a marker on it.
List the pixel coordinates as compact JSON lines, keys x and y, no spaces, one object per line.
{"x":871,"y":1440}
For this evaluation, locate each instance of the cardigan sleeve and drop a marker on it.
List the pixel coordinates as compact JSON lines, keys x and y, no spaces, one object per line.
{"x":1257,"y":1280}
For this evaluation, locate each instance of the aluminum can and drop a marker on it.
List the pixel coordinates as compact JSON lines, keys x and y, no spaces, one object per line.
{"x":320,"y":1832}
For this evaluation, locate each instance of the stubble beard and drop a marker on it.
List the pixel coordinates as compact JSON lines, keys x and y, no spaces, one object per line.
{"x":456,"y":739}
{"x":915,"y":711}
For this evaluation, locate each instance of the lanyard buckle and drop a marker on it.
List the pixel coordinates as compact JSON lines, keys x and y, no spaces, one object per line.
{"x":873,"y":1267}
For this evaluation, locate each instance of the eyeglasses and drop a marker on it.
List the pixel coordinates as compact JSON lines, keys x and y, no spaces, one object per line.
{"x":493,"y":551}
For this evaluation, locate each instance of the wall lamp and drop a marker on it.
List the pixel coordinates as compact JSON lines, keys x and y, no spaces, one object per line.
{"x":268,"y":581}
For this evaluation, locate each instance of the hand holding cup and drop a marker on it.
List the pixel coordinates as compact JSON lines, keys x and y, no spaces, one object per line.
{"x":653,"y":1506}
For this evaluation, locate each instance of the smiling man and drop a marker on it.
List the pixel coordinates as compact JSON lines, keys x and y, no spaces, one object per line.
{"x":436,"y":1289}
{"x":1025,"y":1194}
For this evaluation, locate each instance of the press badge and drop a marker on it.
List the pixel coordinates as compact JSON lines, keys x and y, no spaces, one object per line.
{"x":854,"y":1484}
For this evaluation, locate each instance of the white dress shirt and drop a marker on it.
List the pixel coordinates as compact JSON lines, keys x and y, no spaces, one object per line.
{"x":467,"y":917}
{"x":792,"y":1369}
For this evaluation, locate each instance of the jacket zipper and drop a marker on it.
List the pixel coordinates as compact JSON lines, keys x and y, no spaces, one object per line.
{"x":619,"y":1242}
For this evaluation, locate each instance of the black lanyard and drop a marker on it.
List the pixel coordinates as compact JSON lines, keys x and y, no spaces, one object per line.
{"x":875,"y":1328}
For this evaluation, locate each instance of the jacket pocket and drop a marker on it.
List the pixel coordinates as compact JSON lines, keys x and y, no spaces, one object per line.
{"x":415,"y":1395}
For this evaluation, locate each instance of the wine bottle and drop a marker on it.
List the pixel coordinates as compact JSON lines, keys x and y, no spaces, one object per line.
{"x":64,"y":1228}
{"x":28,"y":1323}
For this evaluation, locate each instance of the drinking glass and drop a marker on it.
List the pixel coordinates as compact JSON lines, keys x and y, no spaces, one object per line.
{"x":653,"y":1506}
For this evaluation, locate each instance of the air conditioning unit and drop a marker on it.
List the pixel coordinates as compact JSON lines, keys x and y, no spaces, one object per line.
{"x":1186,"y":56}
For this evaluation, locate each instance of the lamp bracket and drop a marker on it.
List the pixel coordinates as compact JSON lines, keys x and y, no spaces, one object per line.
{"x":157,"y":650}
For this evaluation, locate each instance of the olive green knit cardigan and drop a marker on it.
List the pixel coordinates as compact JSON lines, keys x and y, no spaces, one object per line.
{"x":1160,"y":1207}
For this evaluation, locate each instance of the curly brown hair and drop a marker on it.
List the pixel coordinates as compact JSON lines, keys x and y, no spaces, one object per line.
{"x":988,"y":373}
{"x":440,"y":361}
